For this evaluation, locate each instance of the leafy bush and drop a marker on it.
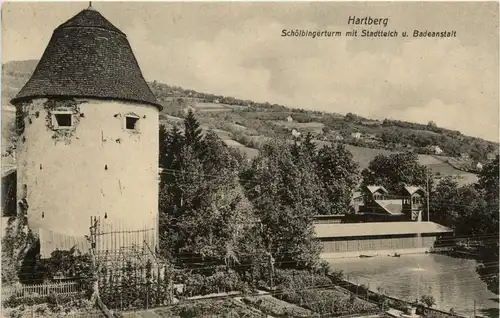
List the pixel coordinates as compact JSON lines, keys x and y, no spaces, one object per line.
{"x":16,"y":243}
{"x":219,"y":282}
{"x":48,"y":306}
{"x":327,"y":302}
{"x":428,"y":300}
{"x":399,"y":305}
{"x":300,"y":279}
{"x":135,"y":287}
{"x":14,"y":301}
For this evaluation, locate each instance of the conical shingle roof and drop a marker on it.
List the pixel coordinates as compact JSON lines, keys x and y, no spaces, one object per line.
{"x":88,"y":56}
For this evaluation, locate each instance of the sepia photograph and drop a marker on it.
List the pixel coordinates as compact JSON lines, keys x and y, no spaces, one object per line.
{"x":250,"y":159}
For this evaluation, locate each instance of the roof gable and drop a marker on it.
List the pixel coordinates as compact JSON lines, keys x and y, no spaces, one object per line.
{"x":411,"y":190}
{"x":374,"y":189}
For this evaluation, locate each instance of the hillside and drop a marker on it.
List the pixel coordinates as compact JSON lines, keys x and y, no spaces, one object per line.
{"x":246,"y":124}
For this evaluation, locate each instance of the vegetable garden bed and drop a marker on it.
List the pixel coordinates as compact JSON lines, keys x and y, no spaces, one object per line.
{"x":276,"y":307}
{"x":209,"y":309}
{"x":334,"y":302}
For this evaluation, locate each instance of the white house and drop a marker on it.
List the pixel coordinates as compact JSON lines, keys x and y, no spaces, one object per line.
{"x":289,"y":119}
{"x":356,"y":135}
{"x":436,"y":150}
{"x":295,"y":133}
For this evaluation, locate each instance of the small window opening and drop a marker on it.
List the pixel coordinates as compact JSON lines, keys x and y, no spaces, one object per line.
{"x":131,"y":122}
{"x":63,"y":120}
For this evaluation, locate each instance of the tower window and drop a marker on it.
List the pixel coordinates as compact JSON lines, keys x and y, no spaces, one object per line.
{"x":62,"y":120}
{"x":131,"y":122}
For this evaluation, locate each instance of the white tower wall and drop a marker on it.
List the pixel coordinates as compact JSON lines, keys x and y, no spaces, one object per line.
{"x":96,"y":168}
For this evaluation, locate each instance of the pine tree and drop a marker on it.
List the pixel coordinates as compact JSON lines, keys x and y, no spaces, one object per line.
{"x":162,"y":139}
{"x":173,"y":147}
{"x":192,"y":131}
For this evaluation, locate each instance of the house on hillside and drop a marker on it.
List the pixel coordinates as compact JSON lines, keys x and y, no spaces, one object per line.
{"x":337,"y":136}
{"x":295,"y":133}
{"x":435,"y":150}
{"x":356,"y":135}
{"x":478,"y":166}
{"x":289,"y":119}
{"x":491,"y":156}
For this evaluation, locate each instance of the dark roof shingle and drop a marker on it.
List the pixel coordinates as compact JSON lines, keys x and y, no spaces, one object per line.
{"x":88,"y":57}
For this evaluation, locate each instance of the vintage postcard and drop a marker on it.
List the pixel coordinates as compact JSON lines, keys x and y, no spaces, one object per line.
{"x":250,"y":159}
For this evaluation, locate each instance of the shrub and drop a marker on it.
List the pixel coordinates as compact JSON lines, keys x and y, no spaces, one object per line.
{"x":218,"y":282}
{"x":428,"y":300}
{"x":399,"y":305}
{"x":48,"y":306}
{"x":326,"y":302}
{"x":135,"y":287}
{"x":300,"y":279}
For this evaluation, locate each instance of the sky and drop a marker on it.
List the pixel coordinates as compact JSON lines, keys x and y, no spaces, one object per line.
{"x":236,"y":49}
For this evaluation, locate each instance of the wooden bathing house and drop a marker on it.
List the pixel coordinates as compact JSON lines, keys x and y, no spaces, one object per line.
{"x":378,"y":238}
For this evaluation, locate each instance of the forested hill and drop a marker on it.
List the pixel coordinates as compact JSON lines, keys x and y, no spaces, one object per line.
{"x":247,"y":123}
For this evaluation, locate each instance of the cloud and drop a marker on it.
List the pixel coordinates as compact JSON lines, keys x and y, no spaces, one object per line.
{"x":417,"y":80}
{"x":237,"y":50}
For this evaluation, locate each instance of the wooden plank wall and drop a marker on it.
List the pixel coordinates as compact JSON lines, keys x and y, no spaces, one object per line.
{"x":374,"y":244}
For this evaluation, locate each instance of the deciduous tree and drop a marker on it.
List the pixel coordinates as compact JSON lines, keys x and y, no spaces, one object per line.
{"x":489,"y":251}
{"x":395,"y":171}
{"x":338,"y":175}
{"x":203,"y":210}
{"x":283,"y":190}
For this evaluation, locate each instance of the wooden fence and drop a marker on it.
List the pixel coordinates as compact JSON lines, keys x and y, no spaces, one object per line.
{"x":41,"y":290}
{"x":114,"y":236}
{"x":110,"y":237}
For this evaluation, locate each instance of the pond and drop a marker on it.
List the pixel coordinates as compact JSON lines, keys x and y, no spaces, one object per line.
{"x":453,"y":282}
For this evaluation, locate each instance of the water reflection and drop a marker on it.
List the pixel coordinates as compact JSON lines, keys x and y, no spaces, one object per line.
{"x":452,"y":282}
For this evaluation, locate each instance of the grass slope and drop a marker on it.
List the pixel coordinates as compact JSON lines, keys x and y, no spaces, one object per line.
{"x":227,"y":119}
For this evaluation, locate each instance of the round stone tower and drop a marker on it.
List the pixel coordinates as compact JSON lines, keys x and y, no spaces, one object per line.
{"x":88,"y":134}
